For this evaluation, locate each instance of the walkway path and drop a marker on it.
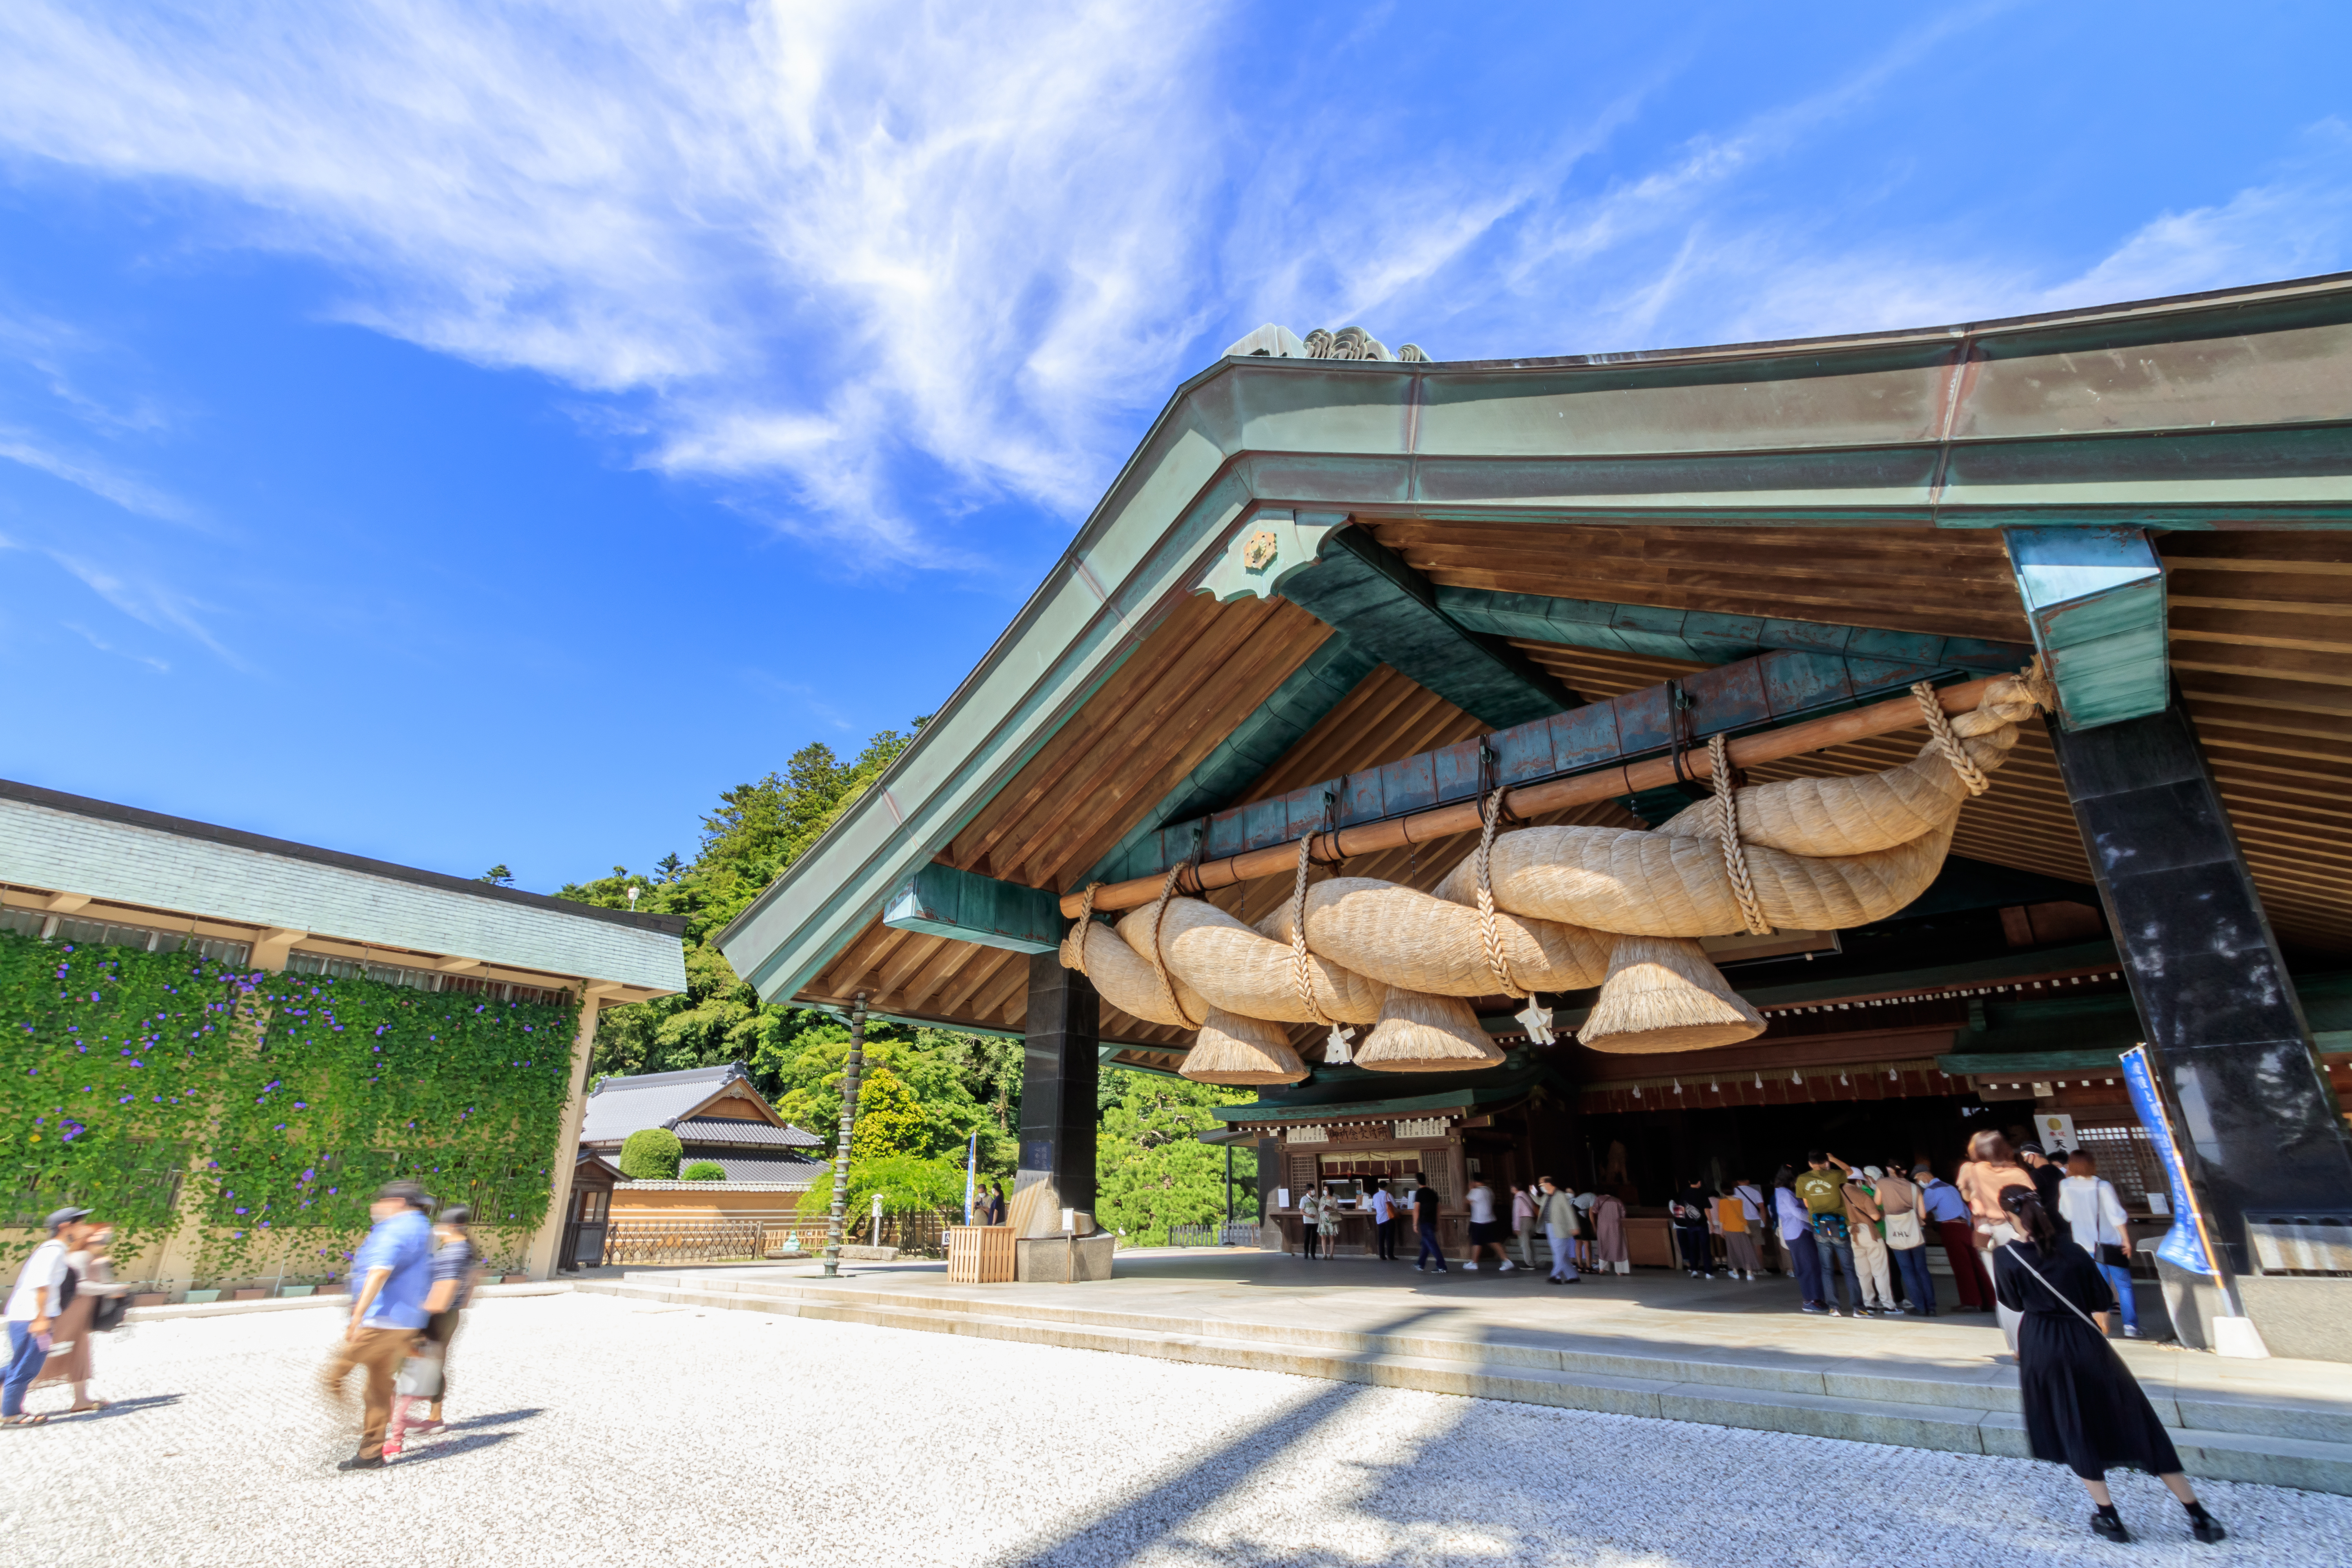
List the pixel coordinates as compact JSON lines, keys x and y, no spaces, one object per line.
{"x":1648,"y":1343}
{"x":594,"y":1431}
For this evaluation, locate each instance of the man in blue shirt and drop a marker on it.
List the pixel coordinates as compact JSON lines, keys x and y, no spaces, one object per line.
{"x":391,"y":1275}
{"x":1948,"y":1215}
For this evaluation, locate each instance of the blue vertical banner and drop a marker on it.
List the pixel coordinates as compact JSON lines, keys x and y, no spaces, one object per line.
{"x":2183,"y":1246}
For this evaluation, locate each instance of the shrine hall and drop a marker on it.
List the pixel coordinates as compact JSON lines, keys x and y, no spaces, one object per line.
{"x":1643,"y":767}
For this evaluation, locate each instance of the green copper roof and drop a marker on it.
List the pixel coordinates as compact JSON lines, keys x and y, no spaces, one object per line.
{"x":2227,"y":408}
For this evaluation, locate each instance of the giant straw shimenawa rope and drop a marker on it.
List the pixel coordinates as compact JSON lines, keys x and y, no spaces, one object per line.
{"x":1553,"y":909}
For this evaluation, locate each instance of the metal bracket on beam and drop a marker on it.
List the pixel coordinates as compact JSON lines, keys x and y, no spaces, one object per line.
{"x":944,"y":901}
{"x":2094,"y":596}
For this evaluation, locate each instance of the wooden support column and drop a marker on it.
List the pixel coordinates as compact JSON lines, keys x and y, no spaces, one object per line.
{"x":2222,"y":1018}
{"x":1061,"y":1067}
{"x":541,"y":1261}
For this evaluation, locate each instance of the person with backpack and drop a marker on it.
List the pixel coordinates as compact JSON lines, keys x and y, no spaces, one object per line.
{"x":2084,"y":1409}
{"x":1862,"y":1218}
{"x":457,"y":1268}
{"x":1906,"y":1238}
{"x":1823,"y":1192}
{"x":1687,"y":1209}
{"x":41,"y":1295}
{"x":2092,"y":1211}
{"x":95,"y":1302}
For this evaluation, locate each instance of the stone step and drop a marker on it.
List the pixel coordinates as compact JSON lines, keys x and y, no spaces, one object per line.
{"x":1925,"y":1414}
{"x":1985,"y":1388}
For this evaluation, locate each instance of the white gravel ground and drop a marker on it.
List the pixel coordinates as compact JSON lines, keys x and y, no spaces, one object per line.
{"x":593,"y":1431}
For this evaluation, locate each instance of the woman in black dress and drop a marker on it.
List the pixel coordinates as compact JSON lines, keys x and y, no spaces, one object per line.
{"x":2084,"y":1409}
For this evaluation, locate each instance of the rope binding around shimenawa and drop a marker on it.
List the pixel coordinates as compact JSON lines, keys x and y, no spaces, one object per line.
{"x":1535,"y":1017}
{"x":1302,"y":964}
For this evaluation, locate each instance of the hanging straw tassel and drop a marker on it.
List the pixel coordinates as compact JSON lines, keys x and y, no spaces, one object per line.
{"x":1421,"y":1033}
{"x":1230,"y":1048}
{"x":1664,"y":994}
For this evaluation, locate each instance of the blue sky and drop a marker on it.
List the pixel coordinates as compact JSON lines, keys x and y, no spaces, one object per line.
{"x":473,"y":433}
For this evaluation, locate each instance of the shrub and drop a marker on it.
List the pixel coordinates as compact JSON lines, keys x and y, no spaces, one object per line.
{"x":907,"y":1183}
{"x":703,"y":1171}
{"x":651,"y":1155}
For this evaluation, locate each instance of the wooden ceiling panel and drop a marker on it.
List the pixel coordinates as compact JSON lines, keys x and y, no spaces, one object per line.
{"x":1955,"y":582}
{"x":1205,"y":669}
{"x":2260,"y":630}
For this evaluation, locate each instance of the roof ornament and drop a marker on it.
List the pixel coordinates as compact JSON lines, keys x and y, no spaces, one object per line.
{"x":1272,"y":342}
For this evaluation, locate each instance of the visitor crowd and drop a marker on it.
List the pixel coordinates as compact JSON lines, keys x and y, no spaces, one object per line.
{"x":412,"y":1279}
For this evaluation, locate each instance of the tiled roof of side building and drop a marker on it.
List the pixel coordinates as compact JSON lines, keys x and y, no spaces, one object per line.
{"x":761,"y":1167}
{"x":696,"y":1130}
{"x":620,"y":1106}
{"x":100,"y":849}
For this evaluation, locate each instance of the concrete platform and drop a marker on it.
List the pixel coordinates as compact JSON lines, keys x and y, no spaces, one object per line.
{"x":1728,"y":1352}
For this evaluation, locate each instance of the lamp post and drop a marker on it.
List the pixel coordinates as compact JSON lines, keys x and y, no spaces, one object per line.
{"x":850,"y":1076}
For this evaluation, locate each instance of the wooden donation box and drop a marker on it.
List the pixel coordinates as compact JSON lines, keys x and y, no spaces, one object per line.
{"x":979,"y":1254}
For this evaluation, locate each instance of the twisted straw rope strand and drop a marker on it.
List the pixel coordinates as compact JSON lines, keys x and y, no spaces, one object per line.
{"x":1489,"y":931}
{"x":1302,"y":968}
{"x":1726,"y":833}
{"x":1158,"y":960}
{"x":1946,"y":741}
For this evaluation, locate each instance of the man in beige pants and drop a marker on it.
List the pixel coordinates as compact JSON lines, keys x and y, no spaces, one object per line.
{"x":391,"y":1274}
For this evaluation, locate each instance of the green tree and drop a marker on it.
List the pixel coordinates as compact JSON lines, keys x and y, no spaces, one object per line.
{"x":1150,"y":1170}
{"x":703,"y":1171}
{"x":755,"y":832}
{"x":889,"y":1121}
{"x":907,"y":1183}
{"x":651,"y":1154}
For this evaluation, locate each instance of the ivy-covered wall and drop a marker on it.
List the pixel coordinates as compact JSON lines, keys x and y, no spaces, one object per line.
{"x":266,"y":1108}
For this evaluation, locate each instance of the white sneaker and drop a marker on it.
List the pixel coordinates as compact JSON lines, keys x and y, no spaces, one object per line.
{"x":1471,"y":1266}
{"x":1508,"y":1266}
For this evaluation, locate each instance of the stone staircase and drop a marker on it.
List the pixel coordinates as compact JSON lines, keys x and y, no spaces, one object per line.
{"x":2280,"y":1438}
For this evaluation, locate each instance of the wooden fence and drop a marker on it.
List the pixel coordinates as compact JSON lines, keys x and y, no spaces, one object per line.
{"x":644,"y":1242}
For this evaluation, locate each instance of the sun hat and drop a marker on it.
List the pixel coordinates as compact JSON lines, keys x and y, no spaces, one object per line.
{"x":66,"y":1217}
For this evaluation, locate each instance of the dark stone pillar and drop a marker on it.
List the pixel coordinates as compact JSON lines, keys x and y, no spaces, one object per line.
{"x":1060,"y":1069}
{"x":2221,"y":1015}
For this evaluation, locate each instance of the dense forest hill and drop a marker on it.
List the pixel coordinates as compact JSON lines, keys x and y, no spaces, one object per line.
{"x":928,"y":1091}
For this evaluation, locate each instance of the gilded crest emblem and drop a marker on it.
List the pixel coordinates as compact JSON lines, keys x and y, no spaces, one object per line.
{"x":1258,"y":554}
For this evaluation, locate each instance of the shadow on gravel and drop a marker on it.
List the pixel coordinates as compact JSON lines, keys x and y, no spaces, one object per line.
{"x":1124,"y":1532}
{"x":475,"y":1423}
{"x":472,"y":1444}
{"x":121,"y":1408}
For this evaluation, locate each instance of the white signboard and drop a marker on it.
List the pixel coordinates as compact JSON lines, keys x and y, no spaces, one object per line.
{"x":1282,"y":1197}
{"x":1424,"y":1126}
{"x":2057,"y":1133}
{"x":1308,"y":1135}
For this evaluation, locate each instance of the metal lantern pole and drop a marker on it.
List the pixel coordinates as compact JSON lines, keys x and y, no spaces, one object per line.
{"x":856,"y":1070}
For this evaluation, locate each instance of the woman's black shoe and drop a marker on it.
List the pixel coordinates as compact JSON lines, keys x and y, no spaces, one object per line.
{"x":2109,"y":1525}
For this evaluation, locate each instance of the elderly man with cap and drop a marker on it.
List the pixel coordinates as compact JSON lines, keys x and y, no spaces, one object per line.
{"x":33,"y":1306}
{"x":391,"y":1275}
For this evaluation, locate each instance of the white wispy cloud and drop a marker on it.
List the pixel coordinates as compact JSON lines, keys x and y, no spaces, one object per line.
{"x":152,"y":603}
{"x":822,"y":235}
{"x":94,"y":475}
{"x":159,"y":666}
{"x":867,"y":268}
